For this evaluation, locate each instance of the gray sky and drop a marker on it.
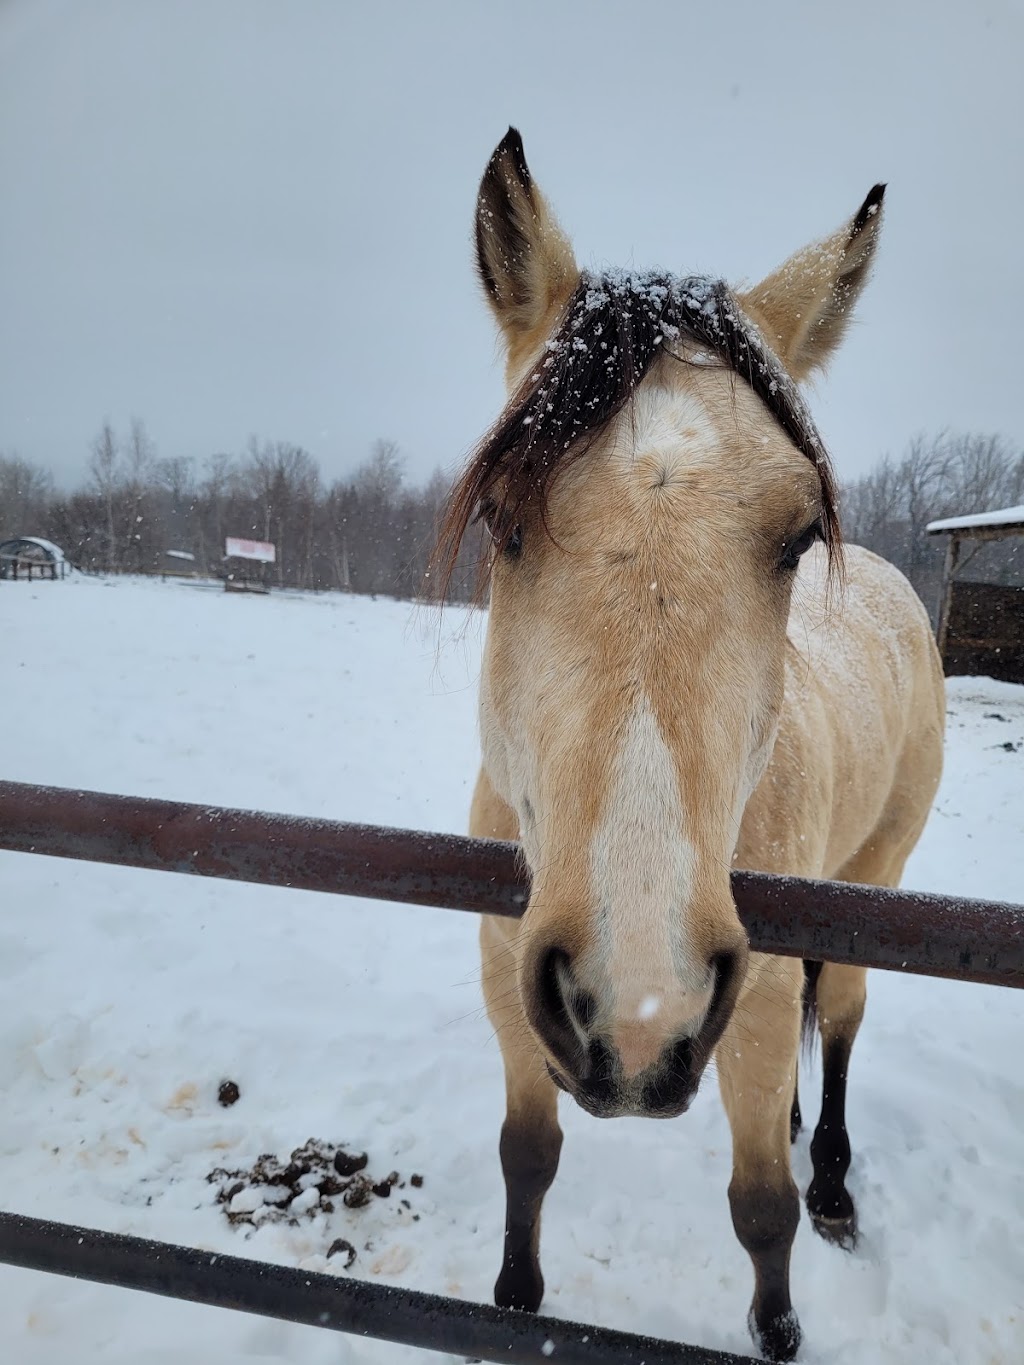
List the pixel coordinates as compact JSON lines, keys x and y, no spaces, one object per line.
{"x":236,"y":217}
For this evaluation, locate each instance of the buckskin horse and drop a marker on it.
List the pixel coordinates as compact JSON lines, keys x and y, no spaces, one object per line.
{"x":684,"y":672}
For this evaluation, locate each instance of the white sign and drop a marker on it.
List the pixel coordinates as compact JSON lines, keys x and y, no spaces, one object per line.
{"x":261,"y":550}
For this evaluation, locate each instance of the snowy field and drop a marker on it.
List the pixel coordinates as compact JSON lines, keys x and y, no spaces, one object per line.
{"x":128,"y":997}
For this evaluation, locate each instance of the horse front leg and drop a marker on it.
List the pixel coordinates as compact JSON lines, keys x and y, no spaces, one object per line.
{"x":531,"y":1139}
{"x":841,"y":993}
{"x":757,"y":1062}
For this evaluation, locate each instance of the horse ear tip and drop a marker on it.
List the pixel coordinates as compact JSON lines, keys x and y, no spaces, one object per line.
{"x":509,"y":155}
{"x":871,"y":208}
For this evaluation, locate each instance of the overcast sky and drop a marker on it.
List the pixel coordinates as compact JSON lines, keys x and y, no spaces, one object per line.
{"x":236,"y":217}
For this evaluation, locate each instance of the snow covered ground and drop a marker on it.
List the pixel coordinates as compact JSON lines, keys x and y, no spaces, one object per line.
{"x":127,"y":997}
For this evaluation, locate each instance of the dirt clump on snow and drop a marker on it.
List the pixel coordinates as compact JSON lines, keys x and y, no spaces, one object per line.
{"x":315,"y":1179}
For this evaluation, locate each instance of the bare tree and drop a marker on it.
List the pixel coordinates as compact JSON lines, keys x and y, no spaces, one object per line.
{"x":949,"y":474}
{"x":25,"y":496}
{"x":104,"y":467}
{"x":173,"y":503}
{"x":284,"y":481}
{"x":139,"y":462}
{"x":376,"y":540}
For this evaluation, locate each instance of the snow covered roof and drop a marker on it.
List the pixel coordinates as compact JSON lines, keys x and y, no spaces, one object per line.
{"x":1006,"y":517}
{"x":54,"y":551}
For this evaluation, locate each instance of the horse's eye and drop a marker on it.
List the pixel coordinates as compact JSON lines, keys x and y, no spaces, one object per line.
{"x":799,"y":545}
{"x":509,"y":540}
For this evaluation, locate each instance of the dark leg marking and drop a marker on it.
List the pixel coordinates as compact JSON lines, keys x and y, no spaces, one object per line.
{"x":529,"y":1160}
{"x":766,"y":1220}
{"x":796,"y":1121}
{"x":828,"y":1200}
{"x":808,"y":1021}
{"x":809,"y":998}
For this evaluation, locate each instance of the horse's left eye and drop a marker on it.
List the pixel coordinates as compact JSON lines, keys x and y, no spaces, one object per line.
{"x":513,"y":546}
{"x":799,"y":545}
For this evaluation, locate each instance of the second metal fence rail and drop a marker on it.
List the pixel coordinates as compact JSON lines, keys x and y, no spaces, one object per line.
{"x":336,"y":1303}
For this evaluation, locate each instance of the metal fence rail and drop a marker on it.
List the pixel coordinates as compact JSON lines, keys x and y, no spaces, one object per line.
{"x":333,"y":1302}
{"x":947,"y":936}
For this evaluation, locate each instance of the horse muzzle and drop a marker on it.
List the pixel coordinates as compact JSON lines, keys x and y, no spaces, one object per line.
{"x":583,"y":1061}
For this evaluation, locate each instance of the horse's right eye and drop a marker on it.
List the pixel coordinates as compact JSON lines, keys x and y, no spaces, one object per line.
{"x":508,"y":539}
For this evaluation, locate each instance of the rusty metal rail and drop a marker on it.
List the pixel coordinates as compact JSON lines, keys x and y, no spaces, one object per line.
{"x":959,"y":938}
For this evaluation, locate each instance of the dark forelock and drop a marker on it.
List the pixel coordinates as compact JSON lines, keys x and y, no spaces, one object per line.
{"x":610,"y":334}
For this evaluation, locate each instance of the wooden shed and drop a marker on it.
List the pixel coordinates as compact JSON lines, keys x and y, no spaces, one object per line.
{"x":980,"y":625}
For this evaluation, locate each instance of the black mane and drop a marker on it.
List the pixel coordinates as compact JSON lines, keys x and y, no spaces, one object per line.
{"x":612,"y":330}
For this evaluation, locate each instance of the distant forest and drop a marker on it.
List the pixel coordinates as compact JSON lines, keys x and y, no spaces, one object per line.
{"x":372,"y":532}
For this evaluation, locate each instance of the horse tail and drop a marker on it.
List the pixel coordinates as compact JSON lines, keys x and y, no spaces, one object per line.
{"x":808,"y":1026}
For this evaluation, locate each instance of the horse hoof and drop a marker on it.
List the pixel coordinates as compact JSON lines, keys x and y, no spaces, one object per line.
{"x":516,"y":1288}
{"x":779,"y":1338}
{"x":841,"y":1232}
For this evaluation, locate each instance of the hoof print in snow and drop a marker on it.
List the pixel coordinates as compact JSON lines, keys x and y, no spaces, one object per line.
{"x":841,"y":1232}
{"x":303,"y":1187}
{"x":339,"y":1246}
{"x":228,"y":1094}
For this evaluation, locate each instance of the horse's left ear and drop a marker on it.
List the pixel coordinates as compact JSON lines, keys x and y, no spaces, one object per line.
{"x":803,"y":307}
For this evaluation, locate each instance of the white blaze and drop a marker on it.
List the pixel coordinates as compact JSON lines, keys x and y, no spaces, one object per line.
{"x":642,"y":867}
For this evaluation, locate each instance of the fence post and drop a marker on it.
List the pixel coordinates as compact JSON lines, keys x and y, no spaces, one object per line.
{"x":945,"y":601}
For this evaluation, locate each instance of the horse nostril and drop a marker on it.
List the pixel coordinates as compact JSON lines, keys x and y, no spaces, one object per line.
{"x":549,"y":986}
{"x":674,"y":1082}
{"x":727,"y":969}
{"x":724,"y":969}
{"x":568,"y":1009}
{"x":681,"y":1056}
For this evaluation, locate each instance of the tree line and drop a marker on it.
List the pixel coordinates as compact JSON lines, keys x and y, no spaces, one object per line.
{"x":372,"y":531}
{"x":369,"y":532}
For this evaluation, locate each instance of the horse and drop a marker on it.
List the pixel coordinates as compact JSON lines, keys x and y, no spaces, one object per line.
{"x":684,"y":672}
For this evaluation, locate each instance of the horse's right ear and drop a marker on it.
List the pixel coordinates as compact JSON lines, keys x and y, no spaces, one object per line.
{"x":525,"y":261}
